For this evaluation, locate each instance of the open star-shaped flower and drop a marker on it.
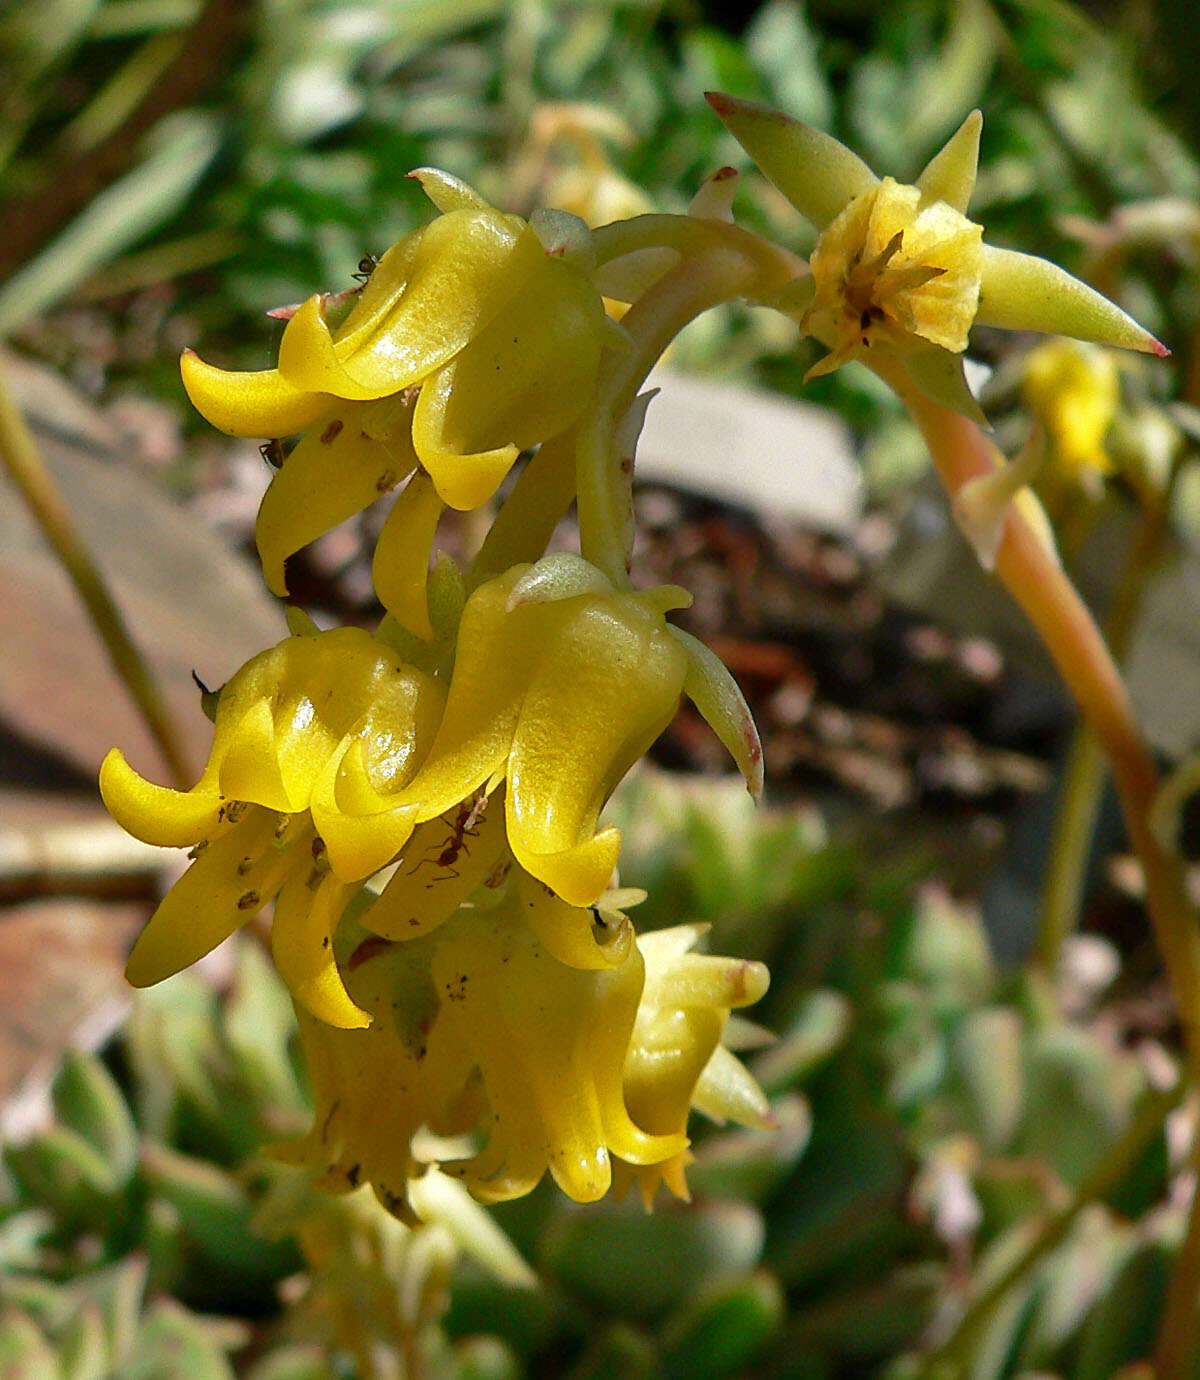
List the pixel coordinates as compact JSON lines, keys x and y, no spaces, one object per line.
{"x":900,"y":269}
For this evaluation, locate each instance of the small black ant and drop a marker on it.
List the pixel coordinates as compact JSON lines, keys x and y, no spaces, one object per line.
{"x":463,"y":826}
{"x":366,"y":266}
{"x":273,"y":453}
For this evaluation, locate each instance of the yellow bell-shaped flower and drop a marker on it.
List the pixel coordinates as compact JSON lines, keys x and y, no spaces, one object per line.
{"x":560,"y":684}
{"x":373,"y":1089}
{"x":313,"y":740}
{"x":676,"y":1060}
{"x":1074,"y":391}
{"x":469,"y":343}
{"x":536,"y":1028}
{"x":550,"y":1042}
{"x":479,"y":1027}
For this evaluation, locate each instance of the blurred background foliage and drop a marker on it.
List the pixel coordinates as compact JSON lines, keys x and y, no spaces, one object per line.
{"x":976,"y":1170}
{"x":231,"y":156}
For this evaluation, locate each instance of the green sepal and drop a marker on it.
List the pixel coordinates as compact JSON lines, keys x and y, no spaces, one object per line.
{"x":817,"y":173}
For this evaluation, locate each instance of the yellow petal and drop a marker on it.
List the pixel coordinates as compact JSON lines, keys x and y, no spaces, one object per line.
{"x":580,"y":873}
{"x":400,"y":569}
{"x":157,"y":814}
{"x":249,"y":766}
{"x":337,"y":470}
{"x":250,"y":404}
{"x":497,"y":653}
{"x":574,"y":935}
{"x":288,"y":710}
{"x":681,"y":1018}
{"x":378,"y":296}
{"x":666,"y":1057}
{"x":464,"y":478}
{"x":707,"y":981}
{"x":308,"y":359}
{"x":607,"y":685}
{"x":396,"y":734}
{"x":230,"y":881}
{"x":525,"y":377}
{"x":302,"y":946}
{"x":466,"y":268}
{"x":361,"y":832}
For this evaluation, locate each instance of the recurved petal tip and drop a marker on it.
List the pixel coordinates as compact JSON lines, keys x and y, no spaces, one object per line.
{"x":258,"y":403}
{"x":580,"y":874}
{"x":156,"y":814}
{"x":447,"y":192}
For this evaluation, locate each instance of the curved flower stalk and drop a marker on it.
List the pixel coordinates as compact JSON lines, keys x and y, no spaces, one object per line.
{"x":313,"y":740}
{"x":469,"y":343}
{"x":899,"y":316}
{"x":900,"y":271}
{"x":453,"y":1044}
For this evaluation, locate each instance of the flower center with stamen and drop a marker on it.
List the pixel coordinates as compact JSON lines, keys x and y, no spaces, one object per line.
{"x":890,"y":272}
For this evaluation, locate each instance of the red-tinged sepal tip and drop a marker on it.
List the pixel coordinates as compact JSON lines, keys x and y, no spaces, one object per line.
{"x":447,"y":192}
{"x":714,"y":197}
{"x":327,"y":300}
{"x":1023,"y":292}
{"x":817,"y":173}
